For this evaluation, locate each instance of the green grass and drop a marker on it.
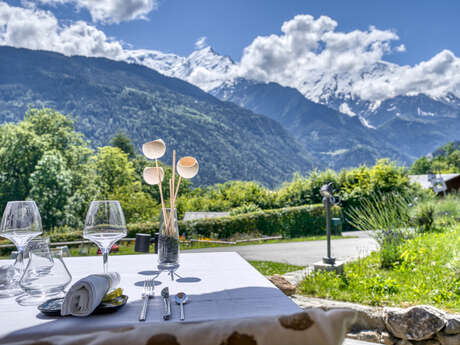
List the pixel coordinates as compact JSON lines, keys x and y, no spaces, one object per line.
{"x":428,"y":272}
{"x":269,"y":268}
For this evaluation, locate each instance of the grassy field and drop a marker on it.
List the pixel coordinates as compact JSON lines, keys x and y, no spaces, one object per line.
{"x":428,"y":272}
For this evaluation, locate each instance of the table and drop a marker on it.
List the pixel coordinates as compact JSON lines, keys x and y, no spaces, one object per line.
{"x":220,"y":286}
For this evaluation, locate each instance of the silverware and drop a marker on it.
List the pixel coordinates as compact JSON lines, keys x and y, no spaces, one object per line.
{"x":167,"y":303}
{"x":181,"y":298}
{"x":147,"y":293}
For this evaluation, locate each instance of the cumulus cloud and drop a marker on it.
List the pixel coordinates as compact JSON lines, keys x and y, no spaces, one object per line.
{"x":38,"y":29}
{"x":436,"y":77}
{"x":401,"y":48}
{"x":112,"y":11}
{"x":201,"y":42}
{"x":312,"y":56}
{"x":309,"y":55}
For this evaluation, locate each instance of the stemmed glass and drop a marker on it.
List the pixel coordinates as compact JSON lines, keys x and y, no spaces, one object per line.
{"x":21,"y":222}
{"x":104,"y":225}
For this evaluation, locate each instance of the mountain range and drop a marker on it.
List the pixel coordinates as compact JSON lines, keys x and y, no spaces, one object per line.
{"x":404,"y":127}
{"x":239,"y":128}
{"x":106,"y":96}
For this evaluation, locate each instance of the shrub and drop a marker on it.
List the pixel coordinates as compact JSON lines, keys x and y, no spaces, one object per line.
{"x":288,"y":222}
{"x":246,"y":208}
{"x":388,"y":216}
{"x":423,"y":218}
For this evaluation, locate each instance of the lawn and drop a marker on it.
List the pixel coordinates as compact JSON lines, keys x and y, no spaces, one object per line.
{"x":269,"y":268}
{"x":428,"y":272}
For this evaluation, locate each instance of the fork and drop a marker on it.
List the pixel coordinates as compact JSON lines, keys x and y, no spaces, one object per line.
{"x":147,"y":293}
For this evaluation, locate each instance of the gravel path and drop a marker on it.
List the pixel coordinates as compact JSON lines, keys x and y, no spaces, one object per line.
{"x":302,"y":253}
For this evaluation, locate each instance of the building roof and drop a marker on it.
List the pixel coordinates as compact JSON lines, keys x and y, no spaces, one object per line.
{"x":202,"y":215}
{"x":425,"y":183}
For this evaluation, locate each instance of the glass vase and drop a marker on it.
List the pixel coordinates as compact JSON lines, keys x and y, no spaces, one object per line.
{"x":168,"y":242}
{"x":46,"y":276}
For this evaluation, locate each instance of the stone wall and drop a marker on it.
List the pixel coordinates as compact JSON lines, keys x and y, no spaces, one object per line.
{"x":419,"y":325}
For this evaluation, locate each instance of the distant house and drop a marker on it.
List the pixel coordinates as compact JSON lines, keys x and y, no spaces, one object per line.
{"x":452,"y":181}
{"x":203,"y":215}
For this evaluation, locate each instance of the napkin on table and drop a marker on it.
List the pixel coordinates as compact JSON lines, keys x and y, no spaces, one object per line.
{"x":86,"y":294}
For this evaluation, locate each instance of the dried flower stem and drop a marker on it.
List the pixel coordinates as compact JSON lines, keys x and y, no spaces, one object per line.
{"x":163,"y":208}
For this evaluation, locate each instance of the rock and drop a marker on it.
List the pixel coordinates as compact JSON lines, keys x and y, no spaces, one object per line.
{"x":448,"y":339}
{"x":282,"y":284}
{"x":368,"y":318}
{"x":427,"y":342}
{"x":416,"y":323}
{"x":388,"y":339}
{"x":453,"y":325}
{"x":370,"y":336}
{"x":403,"y":342}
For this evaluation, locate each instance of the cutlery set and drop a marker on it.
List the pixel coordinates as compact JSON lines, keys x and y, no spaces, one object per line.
{"x":148,"y":292}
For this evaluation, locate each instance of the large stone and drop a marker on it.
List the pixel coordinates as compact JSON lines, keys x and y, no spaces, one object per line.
{"x":453,"y":325}
{"x":283,"y":284}
{"x":445,"y":339}
{"x":427,"y":342}
{"x":403,"y":342}
{"x":416,"y":323}
{"x":368,"y":318}
{"x":369,"y":336}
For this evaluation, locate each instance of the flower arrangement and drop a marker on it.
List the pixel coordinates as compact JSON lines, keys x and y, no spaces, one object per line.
{"x":187,"y":167}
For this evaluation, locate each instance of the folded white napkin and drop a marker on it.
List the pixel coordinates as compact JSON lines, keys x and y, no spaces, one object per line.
{"x":86,"y":294}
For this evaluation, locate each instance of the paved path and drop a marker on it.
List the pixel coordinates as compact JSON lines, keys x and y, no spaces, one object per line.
{"x":302,"y":253}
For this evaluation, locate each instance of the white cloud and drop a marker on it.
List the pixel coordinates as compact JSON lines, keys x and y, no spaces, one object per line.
{"x":435,"y":77}
{"x":312,"y":56}
{"x":401,"y":48}
{"x":112,"y":11}
{"x":309,"y":55}
{"x":201,"y":42}
{"x":38,"y":29}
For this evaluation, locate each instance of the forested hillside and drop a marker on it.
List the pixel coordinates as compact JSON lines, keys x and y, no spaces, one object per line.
{"x":105,"y":96}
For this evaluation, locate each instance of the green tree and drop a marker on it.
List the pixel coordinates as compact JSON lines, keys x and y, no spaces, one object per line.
{"x":116,"y":180}
{"x":124,"y":143}
{"x":45,"y":132}
{"x":445,"y":160}
{"x":51,"y":187}
{"x":20,"y":150}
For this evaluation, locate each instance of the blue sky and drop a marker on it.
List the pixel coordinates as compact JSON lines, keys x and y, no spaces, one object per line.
{"x":303,"y":44}
{"x":424,"y":27}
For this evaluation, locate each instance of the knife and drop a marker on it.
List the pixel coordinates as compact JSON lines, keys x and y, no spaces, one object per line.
{"x":167,"y":303}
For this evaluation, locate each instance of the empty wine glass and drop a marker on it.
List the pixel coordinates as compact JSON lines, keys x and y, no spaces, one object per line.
{"x":21,"y":222}
{"x":104,"y":225}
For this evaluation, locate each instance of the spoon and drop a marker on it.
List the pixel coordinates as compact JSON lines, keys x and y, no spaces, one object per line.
{"x":181,"y":298}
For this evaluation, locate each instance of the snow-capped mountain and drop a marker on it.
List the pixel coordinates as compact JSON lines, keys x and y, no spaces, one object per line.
{"x":203,"y":68}
{"x":415,"y":124}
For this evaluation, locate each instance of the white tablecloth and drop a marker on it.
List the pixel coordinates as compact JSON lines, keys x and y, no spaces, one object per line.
{"x":220,"y":286}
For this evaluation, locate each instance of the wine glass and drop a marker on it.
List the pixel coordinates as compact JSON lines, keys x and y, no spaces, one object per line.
{"x":104,"y":225}
{"x":21,"y":222}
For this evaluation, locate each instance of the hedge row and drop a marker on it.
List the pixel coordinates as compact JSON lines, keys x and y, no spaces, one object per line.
{"x":288,"y":222}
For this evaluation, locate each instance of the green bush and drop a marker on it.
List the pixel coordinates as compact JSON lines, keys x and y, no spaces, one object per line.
{"x":387,"y":215}
{"x":288,"y":222}
{"x":423,"y":218}
{"x":246,"y":208}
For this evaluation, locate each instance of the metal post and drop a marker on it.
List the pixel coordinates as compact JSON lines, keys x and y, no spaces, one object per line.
{"x":329,"y":259}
